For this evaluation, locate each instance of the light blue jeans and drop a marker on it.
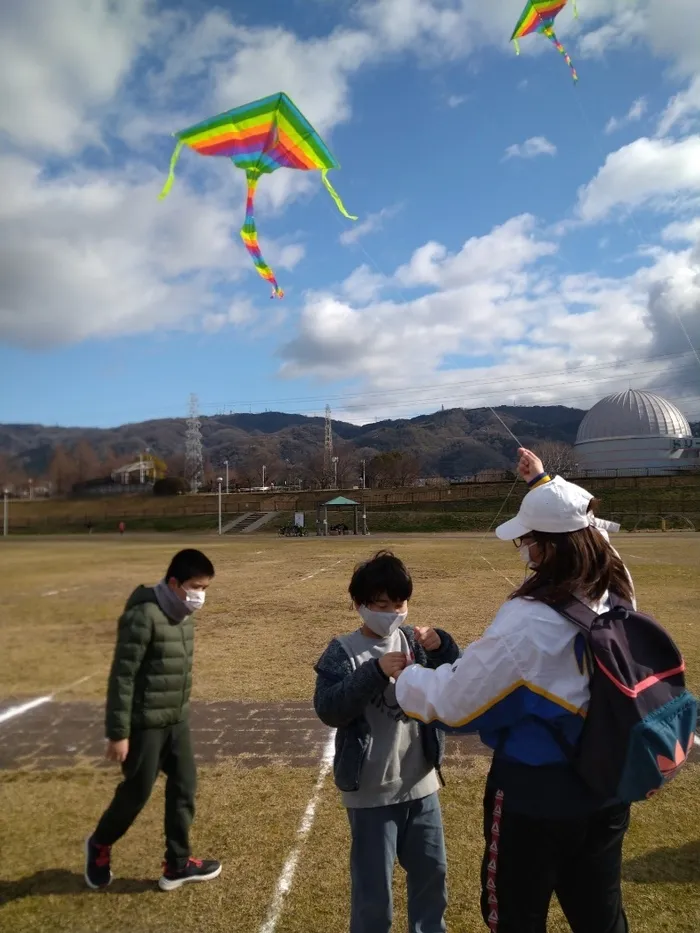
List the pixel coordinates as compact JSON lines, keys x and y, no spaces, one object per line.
{"x":411,"y":832}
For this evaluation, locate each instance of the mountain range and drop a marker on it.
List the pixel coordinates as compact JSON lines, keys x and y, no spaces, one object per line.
{"x":449,"y":443}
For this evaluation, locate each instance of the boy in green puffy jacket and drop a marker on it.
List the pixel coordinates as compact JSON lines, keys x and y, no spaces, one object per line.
{"x":147,"y":720}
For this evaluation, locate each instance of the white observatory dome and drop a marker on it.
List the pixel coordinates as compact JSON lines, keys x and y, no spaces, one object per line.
{"x":632,"y":414}
{"x":633,"y":432}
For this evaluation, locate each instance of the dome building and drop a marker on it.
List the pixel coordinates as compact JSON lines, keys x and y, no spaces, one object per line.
{"x":636,"y":430}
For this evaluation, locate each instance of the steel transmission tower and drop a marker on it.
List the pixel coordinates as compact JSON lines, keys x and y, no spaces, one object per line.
{"x":328,"y":450}
{"x":194,"y":460}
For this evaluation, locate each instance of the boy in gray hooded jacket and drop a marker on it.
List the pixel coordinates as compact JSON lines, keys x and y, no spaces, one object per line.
{"x":386,"y":766}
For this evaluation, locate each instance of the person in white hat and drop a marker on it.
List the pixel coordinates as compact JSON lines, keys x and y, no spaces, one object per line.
{"x":524,"y":687}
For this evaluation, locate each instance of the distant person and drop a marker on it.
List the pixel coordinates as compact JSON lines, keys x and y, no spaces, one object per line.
{"x":556,"y":808}
{"x":386,"y":766}
{"x":147,"y":720}
{"x":122,"y":528}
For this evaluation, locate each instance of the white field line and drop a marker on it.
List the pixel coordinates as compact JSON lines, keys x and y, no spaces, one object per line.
{"x":13,"y":711}
{"x":70,"y":589}
{"x":310,"y":576}
{"x":284,"y":882}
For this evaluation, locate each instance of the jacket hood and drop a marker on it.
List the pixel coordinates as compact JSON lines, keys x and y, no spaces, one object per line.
{"x":142,"y":594}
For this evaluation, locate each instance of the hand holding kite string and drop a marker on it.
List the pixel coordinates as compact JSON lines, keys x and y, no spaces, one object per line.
{"x":260,"y":137}
{"x":529,"y":465}
{"x":538,"y":16}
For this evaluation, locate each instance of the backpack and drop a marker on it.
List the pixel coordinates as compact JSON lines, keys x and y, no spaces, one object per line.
{"x":641,"y":720}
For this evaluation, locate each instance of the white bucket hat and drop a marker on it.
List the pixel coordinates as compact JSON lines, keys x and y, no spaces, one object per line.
{"x":556,"y":507}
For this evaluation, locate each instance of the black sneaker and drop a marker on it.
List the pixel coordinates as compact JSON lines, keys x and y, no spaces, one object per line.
{"x":97,"y":865}
{"x":195,"y":870}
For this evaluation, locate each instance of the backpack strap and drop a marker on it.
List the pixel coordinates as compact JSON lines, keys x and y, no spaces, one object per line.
{"x":579,"y":613}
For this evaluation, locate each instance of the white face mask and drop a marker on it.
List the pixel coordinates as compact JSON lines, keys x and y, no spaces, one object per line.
{"x":524,"y":551}
{"x":382,"y":623}
{"x":195,"y":598}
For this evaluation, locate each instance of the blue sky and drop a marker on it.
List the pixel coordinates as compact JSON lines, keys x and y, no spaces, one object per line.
{"x":520,"y":239}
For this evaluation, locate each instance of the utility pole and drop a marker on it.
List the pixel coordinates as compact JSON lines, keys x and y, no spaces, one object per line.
{"x":335,"y":472}
{"x":219,"y":481}
{"x":226,"y":465}
{"x":364,"y":476}
{"x":194,"y":460}
{"x":264,"y":468}
{"x":5,"y":512}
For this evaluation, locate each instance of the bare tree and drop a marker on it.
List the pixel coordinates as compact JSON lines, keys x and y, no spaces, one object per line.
{"x":86,"y":462}
{"x":62,"y":472}
{"x":393,"y":469}
{"x":557,"y":457}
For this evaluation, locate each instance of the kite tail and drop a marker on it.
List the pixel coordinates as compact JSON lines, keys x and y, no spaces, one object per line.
{"x":171,"y":171}
{"x":334,"y":194}
{"x":560,"y":48}
{"x":517,"y":46}
{"x":575,"y":6}
{"x":249,"y":235}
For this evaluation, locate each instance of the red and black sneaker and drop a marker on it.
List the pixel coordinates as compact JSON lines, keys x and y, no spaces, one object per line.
{"x":97,"y":865}
{"x":195,"y":870}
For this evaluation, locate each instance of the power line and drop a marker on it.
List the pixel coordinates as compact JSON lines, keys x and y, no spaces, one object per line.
{"x":441,"y":385}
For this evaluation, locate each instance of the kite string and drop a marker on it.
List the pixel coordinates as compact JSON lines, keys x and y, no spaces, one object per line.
{"x":633,"y":224}
{"x":489,"y":407}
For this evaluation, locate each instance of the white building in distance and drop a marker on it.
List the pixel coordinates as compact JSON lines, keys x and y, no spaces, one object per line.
{"x":636,"y":431}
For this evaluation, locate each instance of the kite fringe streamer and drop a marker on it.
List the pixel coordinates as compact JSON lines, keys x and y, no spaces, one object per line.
{"x":171,"y":171}
{"x":249,"y":235}
{"x":517,"y":46}
{"x":336,"y":197}
{"x":549,"y":32}
{"x":575,"y":6}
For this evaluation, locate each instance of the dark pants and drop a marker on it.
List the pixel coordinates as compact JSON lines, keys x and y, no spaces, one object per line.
{"x":151,"y":751}
{"x":527,"y":860}
{"x":412,"y":832}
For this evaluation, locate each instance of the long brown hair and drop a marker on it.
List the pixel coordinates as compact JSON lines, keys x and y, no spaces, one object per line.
{"x":580,"y":563}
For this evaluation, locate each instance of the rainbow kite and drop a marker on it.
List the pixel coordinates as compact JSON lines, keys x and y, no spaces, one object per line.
{"x":260,"y":137}
{"x":538,"y":16}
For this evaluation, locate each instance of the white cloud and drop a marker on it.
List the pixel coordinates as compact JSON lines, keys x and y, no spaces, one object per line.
{"x":479,"y":296}
{"x":371,"y":224}
{"x":633,"y":115}
{"x":114,"y":260}
{"x":61,"y":60}
{"x":548,"y":337}
{"x":667,"y":27}
{"x":363,"y":285}
{"x":682,"y":231}
{"x":530,"y":149}
{"x":682,"y":110}
{"x":94,"y":254}
{"x":456,"y":100}
{"x":647,"y":171}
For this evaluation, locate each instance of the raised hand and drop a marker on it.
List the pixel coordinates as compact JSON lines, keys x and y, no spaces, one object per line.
{"x":427,"y":638}
{"x":529,"y":465}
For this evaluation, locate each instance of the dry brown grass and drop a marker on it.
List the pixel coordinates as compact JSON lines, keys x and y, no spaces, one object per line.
{"x":248,"y":819}
{"x":661,"y":874}
{"x":276,"y":603}
{"x":271,"y":612}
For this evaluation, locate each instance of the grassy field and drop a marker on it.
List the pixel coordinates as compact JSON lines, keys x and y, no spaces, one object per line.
{"x":273,"y":608}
